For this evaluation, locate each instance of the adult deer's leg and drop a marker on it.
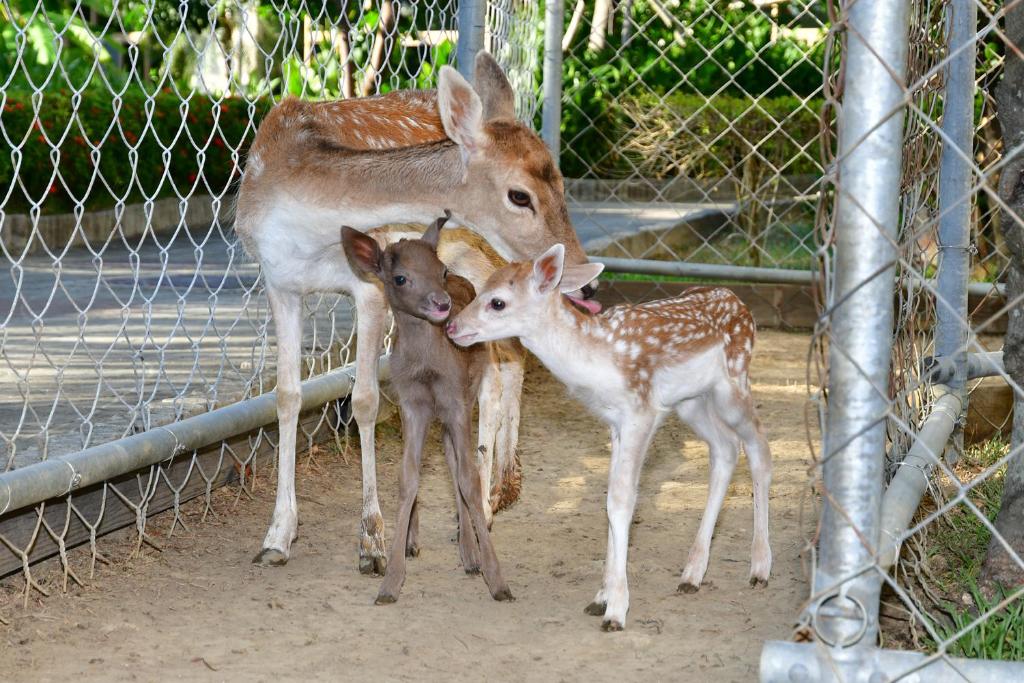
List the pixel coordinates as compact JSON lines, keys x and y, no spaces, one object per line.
{"x":489,"y":398}
{"x":371,"y":312}
{"x":512,"y":367}
{"x":286,"y":308}
{"x":416,"y":415}
{"x":723,"y":446}
{"x":623,"y":479}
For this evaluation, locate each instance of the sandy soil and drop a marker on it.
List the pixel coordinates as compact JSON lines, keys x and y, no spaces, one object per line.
{"x":200,"y":610}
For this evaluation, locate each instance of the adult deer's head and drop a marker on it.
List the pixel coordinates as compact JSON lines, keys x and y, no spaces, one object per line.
{"x":512,"y":193}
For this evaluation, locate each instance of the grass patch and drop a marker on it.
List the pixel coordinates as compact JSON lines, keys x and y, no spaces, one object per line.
{"x":1000,"y":636}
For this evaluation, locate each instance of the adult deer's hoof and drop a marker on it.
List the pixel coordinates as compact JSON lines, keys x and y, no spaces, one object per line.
{"x":758,"y":582}
{"x":270,"y":557}
{"x":687,"y":587}
{"x":472,"y":571}
{"x":595,"y":609}
{"x":412,"y":551}
{"x":373,"y":566}
{"x":610,"y":625}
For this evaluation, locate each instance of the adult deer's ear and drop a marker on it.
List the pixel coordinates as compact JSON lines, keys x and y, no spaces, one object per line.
{"x":547,"y":269}
{"x":493,"y":87}
{"x":433,"y":234}
{"x":575,"y":277}
{"x":461,"y":110}
{"x":362,"y":251}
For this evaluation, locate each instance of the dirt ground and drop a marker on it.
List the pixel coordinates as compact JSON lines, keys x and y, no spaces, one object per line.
{"x":200,"y":610}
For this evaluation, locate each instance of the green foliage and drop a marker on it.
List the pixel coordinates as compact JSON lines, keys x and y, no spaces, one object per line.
{"x":109,"y":148}
{"x":1000,"y":636}
{"x":728,"y":49}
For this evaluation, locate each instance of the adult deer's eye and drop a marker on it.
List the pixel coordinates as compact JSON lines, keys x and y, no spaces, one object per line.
{"x":519,"y":198}
{"x":444,"y":275}
{"x":497,"y":304}
{"x":399,"y":280}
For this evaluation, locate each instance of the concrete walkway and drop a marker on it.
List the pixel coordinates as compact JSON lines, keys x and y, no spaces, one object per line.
{"x":94,"y":347}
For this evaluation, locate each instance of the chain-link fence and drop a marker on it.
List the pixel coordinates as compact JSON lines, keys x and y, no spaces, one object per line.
{"x":129,"y":304}
{"x":774,"y":141}
{"x":916,"y":574}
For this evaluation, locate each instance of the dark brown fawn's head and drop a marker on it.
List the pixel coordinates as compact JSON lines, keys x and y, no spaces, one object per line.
{"x":513,"y":193}
{"x":412,"y":274}
{"x":516,"y":299}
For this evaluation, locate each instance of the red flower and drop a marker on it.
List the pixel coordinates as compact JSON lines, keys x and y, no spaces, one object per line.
{"x":223,"y":107}
{"x":217,"y":142}
{"x":53,"y":188}
{"x":79,"y":140}
{"x":40,"y":138}
{"x":192,"y":177}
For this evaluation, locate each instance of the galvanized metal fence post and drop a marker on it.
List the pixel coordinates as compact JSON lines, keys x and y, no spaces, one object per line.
{"x":955,"y":190}
{"x":551,"y":113}
{"x":472,"y":21}
{"x":844,"y":614}
{"x":908,"y":485}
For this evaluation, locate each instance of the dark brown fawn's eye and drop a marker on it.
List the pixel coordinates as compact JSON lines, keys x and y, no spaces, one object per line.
{"x":399,"y":280}
{"x":497,"y":304}
{"x":519,"y":198}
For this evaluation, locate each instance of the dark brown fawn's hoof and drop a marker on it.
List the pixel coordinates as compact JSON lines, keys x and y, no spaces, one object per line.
{"x":610,"y":625}
{"x":373,"y":566}
{"x":385,"y":599}
{"x":596,"y":609}
{"x":412,"y":551}
{"x":758,"y":582}
{"x":504,"y":595}
{"x":270,"y":557}
{"x":687,"y":587}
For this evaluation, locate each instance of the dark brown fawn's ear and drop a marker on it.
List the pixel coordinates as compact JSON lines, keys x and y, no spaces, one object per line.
{"x":493,"y":87}
{"x":547,"y":269}
{"x":362,"y":251}
{"x":433,"y":234}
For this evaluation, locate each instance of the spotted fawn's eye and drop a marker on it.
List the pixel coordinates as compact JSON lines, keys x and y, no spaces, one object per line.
{"x":497,"y":304}
{"x":399,"y":280}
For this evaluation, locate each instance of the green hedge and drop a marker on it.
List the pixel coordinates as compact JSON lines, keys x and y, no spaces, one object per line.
{"x":125,"y":137}
{"x":699,"y":137}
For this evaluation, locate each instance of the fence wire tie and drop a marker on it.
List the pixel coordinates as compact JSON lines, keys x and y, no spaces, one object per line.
{"x":179,"y":447}
{"x":76,"y":478}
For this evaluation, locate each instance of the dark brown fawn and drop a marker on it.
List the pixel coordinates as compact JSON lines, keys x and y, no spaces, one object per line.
{"x":434,"y":379}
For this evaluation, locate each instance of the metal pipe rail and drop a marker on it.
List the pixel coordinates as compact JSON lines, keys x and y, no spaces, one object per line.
{"x":59,"y":476}
{"x":783,"y":662}
{"x":772,"y":276}
{"x":941,"y":369}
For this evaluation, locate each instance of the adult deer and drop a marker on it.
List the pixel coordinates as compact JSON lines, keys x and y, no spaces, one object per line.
{"x":401,"y":157}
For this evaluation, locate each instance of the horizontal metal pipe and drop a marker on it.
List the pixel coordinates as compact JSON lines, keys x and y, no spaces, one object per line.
{"x":783,"y":662}
{"x":987,"y":364}
{"x":903,"y":495}
{"x":711,"y":271}
{"x":61,"y":475}
{"x":716,"y":271}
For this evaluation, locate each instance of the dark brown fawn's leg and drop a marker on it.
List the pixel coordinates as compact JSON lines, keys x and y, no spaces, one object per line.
{"x":416,"y":416}
{"x":469,"y":488}
{"x":469,"y":548}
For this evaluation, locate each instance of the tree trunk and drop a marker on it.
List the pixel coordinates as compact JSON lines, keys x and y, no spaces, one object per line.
{"x":599,"y":25}
{"x":382,"y":43}
{"x":999,"y":567}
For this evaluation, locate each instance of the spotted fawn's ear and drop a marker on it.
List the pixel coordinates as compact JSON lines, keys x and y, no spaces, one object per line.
{"x":433,"y":234}
{"x":362,"y":251}
{"x":576,"y":277}
{"x":461,"y":111}
{"x":547,"y":269}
